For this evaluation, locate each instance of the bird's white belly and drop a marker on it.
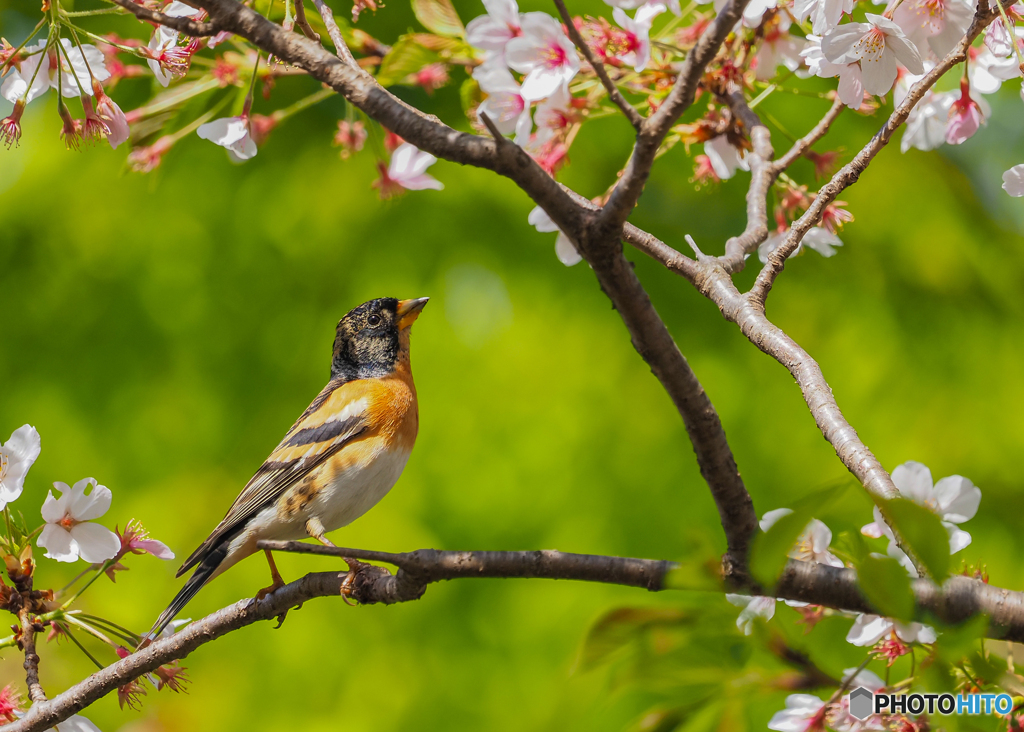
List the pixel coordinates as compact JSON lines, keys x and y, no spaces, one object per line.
{"x":352,"y":492}
{"x":357,"y":489}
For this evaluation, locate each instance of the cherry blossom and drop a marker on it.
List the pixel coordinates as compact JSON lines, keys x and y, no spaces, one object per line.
{"x":778,"y":49}
{"x":997,"y":38}
{"x":954,"y":499}
{"x":821,"y":240}
{"x":966,"y":116}
{"x":544,"y":53}
{"x":926,"y":125}
{"x":565,"y":250}
{"x":938,"y":23}
{"x":803,"y":713}
{"x":987,"y":71}
{"x":493,"y":31}
{"x":851,"y":82}
{"x":1013,"y":181}
{"x":877,"y":46}
{"x":725,"y":158}
{"x":232,"y":133}
{"x":673,"y":5}
{"x":813,"y":544}
{"x":824,"y":14}
{"x":407,"y":172}
{"x":164,"y":62}
{"x":638,"y":28}
{"x":113,"y":117}
{"x":10,"y":126}
{"x":867,"y":630}
{"x":16,"y":457}
{"x":68,"y":534}
{"x":504,"y":104}
{"x":44,"y":68}
{"x":839,"y":715}
{"x":553,"y":115}
{"x":77,"y":723}
{"x":753,"y":607}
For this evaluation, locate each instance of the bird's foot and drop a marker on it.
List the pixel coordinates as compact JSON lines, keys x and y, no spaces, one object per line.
{"x":348,"y":584}
{"x":266,"y":591}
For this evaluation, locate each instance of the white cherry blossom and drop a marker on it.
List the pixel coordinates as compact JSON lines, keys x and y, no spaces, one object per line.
{"x":954,"y":499}
{"x":877,"y":46}
{"x":565,"y":250}
{"x":803,"y":713}
{"x":1013,"y":181}
{"x":16,"y":457}
{"x":779,"y":48}
{"x":840,"y":718}
{"x":165,"y":39}
{"x":725,"y":158}
{"x":926,"y":125}
{"x":754,"y":607}
{"x":939,"y":24}
{"x":824,"y":14}
{"x":544,"y":54}
{"x":552,"y":115}
{"x":37,"y":73}
{"x":69,"y":533}
{"x":997,"y":38}
{"x":673,"y":5}
{"x":638,"y":29}
{"x":813,"y":544}
{"x":867,"y":630}
{"x":77,"y":723}
{"x":851,"y":82}
{"x":504,"y":104}
{"x":232,"y":133}
{"x":821,"y":240}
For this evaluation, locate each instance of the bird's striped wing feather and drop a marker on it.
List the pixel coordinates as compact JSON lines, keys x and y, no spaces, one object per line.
{"x":332,"y":421}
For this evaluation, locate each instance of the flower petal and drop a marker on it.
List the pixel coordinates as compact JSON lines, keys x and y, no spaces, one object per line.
{"x":157,"y":548}
{"x":868,"y":630}
{"x":958,"y":498}
{"x":95,"y":543}
{"x":82,"y":507}
{"x":58,"y":544}
{"x":914,"y":481}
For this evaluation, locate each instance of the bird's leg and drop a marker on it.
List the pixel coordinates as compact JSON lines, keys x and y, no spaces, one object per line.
{"x":277,"y":582}
{"x":316,"y":530}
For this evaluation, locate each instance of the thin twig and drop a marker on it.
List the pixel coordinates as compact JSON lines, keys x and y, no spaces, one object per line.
{"x":182,"y":25}
{"x":630,"y":112}
{"x":334,"y":32}
{"x":303,"y":22}
{"x":31,"y":665}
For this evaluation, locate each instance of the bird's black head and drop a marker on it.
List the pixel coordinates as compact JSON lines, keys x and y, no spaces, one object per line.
{"x":368,"y":341}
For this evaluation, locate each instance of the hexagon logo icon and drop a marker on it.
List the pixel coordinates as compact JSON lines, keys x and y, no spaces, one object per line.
{"x":861,"y":704}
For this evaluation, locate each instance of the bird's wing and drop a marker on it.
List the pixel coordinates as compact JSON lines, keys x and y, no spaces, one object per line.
{"x":338,"y":415}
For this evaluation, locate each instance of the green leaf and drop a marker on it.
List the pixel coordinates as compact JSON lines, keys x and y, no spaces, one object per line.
{"x":850,"y":547}
{"x":694,"y":575}
{"x":923,"y":533}
{"x":470,"y":95}
{"x":405,"y":57}
{"x":885,"y":584}
{"x":620,"y":627}
{"x":770,"y":550}
{"x":438,"y":16}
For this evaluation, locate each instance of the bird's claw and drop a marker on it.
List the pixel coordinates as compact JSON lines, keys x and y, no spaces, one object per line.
{"x":347,"y":585}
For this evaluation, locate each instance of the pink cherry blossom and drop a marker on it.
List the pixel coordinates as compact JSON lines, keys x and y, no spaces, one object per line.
{"x":504,"y":104}
{"x":10,"y":126}
{"x":877,"y":46}
{"x":779,"y":48}
{"x":638,"y":43}
{"x":111,"y":114}
{"x":544,"y":53}
{"x":69,"y":533}
{"x":938,"y":23}
{"x":407,"y":172}
{"x":166,"y":61}
{"x":232,"y":133}
{"x":552,"y":116}
{"x":926,"y":125}
{"x":493,"y":31}
{"x":965,"y":117}
{"x":1013,"y":181}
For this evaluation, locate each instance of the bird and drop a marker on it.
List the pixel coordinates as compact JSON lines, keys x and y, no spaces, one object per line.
{"x":339,"y":459}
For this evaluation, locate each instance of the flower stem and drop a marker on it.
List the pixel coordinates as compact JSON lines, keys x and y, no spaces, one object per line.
{"x":69,"y":634}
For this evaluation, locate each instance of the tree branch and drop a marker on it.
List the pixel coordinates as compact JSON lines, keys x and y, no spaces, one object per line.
{"x":31,"y":665}
{"x":182,"y":25}
{"x":614,"y":94}
{"x":334,"y":32}
{"x":801,"y":146}
{"x":850,"y":173}
{"x":959,"y":599}
{"x":652,"y":133}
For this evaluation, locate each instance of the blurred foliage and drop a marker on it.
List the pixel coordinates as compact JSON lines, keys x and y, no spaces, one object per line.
{"x":162,"y":333}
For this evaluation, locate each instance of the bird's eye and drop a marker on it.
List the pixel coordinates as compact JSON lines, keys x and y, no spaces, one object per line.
{"x":373,"y":320}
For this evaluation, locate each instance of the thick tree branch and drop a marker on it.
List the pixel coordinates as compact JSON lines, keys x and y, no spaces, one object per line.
{"x":850,"y":173}
{"x":614,"y":94}
{"x":183,"y":25}
{"x":652,"y":133}
{"x":959,"y":599}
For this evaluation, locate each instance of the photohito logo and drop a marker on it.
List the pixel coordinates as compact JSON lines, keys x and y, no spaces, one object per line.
{"x":863,"y":703}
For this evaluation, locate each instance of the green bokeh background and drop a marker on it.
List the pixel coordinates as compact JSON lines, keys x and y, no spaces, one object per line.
{"x":163,"y":331}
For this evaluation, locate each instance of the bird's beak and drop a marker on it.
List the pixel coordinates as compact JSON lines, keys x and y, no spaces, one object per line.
{"x":409,"y":310}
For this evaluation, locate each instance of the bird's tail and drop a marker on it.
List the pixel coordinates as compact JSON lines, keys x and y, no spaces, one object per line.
{"x":204,"y":573}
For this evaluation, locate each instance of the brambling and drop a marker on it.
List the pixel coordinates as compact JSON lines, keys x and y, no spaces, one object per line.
{"x":342,"y":455}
